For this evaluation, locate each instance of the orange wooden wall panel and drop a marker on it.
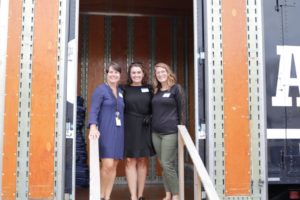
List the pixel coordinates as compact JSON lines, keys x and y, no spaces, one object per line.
{"x":8,"y":189}
{"x":236,"y":124}
{"x":43,"y":100}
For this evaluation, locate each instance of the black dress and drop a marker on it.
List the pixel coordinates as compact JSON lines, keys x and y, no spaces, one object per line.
{"x":138,"y":140}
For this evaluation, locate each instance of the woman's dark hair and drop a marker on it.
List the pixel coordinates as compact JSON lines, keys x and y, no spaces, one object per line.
{"x":141,"y":66}
{"x":115,"y":66}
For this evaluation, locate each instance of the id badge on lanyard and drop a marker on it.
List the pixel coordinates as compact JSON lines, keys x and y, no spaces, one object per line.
{"x":118,"y":120}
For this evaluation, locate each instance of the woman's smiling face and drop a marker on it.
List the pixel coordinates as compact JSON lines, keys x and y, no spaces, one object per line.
{"x":136,"y":75}
{"x":113,"y":76}
{"x":161,"y":74}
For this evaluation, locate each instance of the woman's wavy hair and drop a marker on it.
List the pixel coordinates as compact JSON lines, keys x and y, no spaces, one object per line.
{"x":171,"y":80}
{"x":145,"y":79}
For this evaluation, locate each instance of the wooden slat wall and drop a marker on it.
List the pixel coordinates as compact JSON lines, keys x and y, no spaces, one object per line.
{"x":141,"y":45}
{"x":96,"y":54}
{"x":43,"y":100}
{"x":141,"y":51}
{"x":8,"y":189}
{"x":191,"y":85}
{"x":119,"y":44}
{"x":163,"y":40}
{"x":180,"y":50}
{"x":236,"y":138}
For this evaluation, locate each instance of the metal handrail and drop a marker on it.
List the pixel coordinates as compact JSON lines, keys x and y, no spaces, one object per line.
{"x":184,"y":139}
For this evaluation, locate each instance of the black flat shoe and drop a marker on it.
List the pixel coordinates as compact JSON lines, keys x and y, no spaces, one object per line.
{"x":142,"y":198}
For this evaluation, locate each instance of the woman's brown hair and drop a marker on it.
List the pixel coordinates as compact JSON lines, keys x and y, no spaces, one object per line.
{"x":171,"y":80}
{"x":115,"y":66}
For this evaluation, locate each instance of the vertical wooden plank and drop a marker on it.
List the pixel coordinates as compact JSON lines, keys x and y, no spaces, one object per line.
{"x":236,"y":124}
{"x":191,"y":82}
{"x":43,"y":100}
{"x":11,"y":101}
{"x":95,"y":54}
{"x":141,"y":45}
{"x":163,"y":40}
{"x":95,"y":57}
{"x":119,"y":44}
{"x":180,"y":50}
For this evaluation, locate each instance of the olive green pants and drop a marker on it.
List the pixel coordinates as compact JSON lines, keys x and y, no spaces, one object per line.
{"x":166,"y":147}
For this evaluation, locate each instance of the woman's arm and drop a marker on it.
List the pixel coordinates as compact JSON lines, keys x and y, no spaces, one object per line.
{"x":181,"y":104}
{"x":95,"y":109}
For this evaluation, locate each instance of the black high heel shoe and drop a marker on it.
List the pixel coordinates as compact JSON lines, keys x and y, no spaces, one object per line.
{"x":142,"y":198}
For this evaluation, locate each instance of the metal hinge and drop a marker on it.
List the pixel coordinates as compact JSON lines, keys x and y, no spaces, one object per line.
{"x":278,"y":5}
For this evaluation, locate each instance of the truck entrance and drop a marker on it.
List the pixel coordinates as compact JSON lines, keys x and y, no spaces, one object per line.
{"x":132,"y":31}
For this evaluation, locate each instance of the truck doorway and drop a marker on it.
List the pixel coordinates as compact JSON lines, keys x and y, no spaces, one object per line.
{"x":128,"y":31}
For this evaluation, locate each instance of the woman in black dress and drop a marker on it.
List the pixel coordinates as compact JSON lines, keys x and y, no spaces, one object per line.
{"x":138,"y":142}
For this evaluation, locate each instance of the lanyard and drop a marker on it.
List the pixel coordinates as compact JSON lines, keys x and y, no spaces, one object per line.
{"x":117,"y":113}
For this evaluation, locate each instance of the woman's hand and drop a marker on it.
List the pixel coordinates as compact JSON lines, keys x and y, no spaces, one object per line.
{"x":94,"y":132}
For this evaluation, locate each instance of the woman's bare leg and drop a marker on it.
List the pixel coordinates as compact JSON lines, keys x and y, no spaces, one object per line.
{"x":131,"y":175}
{"x":108,"y":175}
{"x":141,"y":174}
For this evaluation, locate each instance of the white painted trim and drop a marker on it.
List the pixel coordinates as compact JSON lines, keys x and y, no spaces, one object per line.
{"x":283,"y":133}
{"x":4,"y":10}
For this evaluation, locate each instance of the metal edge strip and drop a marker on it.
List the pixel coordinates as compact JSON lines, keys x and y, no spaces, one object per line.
{"x":59,"y":159}
{"x":263,"y":108}
{"x":258,"y":111}
{"x":213,"y":45}
{"x":24,"y":102}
